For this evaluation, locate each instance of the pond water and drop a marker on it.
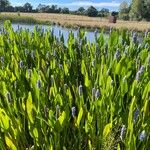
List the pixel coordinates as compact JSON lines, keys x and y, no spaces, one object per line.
{"x":90,"y":35}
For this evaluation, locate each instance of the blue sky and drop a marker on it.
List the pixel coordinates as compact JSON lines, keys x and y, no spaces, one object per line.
{"x":73,"y":4}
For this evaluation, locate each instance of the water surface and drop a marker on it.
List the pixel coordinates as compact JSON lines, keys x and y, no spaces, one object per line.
{"x":90,"y":35}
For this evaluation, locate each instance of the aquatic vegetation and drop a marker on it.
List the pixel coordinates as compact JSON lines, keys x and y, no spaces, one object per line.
{"x":74,"y":95}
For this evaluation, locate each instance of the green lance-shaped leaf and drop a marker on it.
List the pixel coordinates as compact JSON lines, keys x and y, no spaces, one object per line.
{"x":51,"y":119}
{"x":62,"y":118}
{"x":86,"y":126}
{"x":134,"y":88}
{"x":88,"y":122}
{"x":3,"y":90}
{"x":13,"y":78}
{"x":2,"y":41}
{"x":15,"y":48}
{"x":15,"y":67}
{"x":66,"y":69}
{"x":108,"y":85}
{"x":87,"y":81}
{"x":124,"y":86}
{"x":101,"y":39}
{"x":118,"y":68}
{"x":47,"y":39}
{"x":130,"y":116}
{"x":113,"y":40}
{"x":59,"y":100}
{"x":143,"y":54}
{"x":90,"y":118}
{"x":30,"y":107}
{"x":79,"y":116}
{"x":10,"y":143}
{"x":131,"y":142}
{"x":118,"y":147}
{"x":146,"y":109}
{"x":90,"y":145}
{"x":83,"y":67}
{"x":11,"y":34}
{"x":4,"y":119}
{"x":34,"y":78}
{"x":35,"y":133}
{"x":146,"y":91}
{"x":107,"y":129}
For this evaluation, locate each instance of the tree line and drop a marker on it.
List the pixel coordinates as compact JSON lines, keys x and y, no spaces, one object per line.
{"x":27,"y":7}
{"x":137,"y":10}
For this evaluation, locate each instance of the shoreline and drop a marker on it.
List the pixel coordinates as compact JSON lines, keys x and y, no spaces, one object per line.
{"x":73,"y":21}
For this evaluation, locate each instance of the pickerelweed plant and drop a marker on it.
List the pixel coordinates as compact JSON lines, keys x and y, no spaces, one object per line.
{"x":78,"y":95}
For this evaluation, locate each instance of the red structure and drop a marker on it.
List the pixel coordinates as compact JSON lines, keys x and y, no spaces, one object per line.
{"x":112,"y":19}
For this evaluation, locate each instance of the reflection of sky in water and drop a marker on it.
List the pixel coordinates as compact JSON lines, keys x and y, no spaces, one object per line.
{"x":57,"y":29}
{"x":90,"y":35}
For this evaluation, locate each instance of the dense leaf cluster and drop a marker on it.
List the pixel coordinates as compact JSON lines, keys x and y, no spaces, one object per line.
{"x":78,"y":95}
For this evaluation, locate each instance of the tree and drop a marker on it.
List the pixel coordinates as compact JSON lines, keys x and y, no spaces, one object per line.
{"x":65,"y":10}
{"x":145,"y":10}
{"x":58,"y":10}
{"x":81,"y":9}
{"x":103,"y":12}
{"x":27,"y":7}
{"x":140,"y":9}
{"x":3,"y":5}
{"x":41,"y":8}
{"x":136,"y":10}
{"x":92,"y":12}
{"x":9,"y":9}
{"x":124,"y":7}
{"x":19,"y":9}
{"x":124,"y":11}
{"x":47,"y":9}
{"x":53,"y":8}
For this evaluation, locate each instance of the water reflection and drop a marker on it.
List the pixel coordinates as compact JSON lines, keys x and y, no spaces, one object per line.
{"x":58,"y":30}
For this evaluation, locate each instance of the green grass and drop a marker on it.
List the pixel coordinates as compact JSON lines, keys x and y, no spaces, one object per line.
{"x":22,"y":19}
{"x":75,"y":96}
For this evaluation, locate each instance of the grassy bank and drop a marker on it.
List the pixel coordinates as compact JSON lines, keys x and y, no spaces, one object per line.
{"x":21,"y":19}
{"x":74,"y":21}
